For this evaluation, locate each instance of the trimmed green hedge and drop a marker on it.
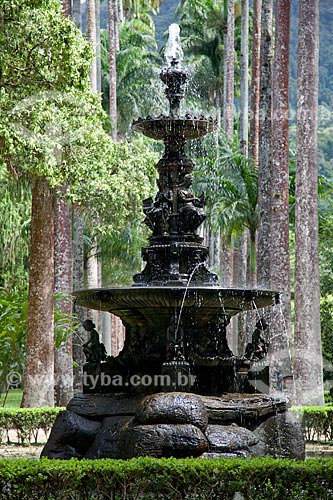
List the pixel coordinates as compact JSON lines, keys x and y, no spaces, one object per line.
{"x":26,"y":422}
{"x":316,"y":422}
{"x":169,"y":479}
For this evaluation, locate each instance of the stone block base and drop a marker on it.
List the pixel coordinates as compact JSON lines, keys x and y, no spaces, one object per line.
{"x":175,"y":424}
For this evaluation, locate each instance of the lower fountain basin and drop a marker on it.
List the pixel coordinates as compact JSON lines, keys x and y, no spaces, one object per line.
{"x":160,"y":300}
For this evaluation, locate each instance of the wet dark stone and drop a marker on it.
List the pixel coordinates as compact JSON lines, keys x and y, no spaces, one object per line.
{"x":71,"y":436}
{"x":97,"y":406}
{"x":162,"y":440}
{"x":229,"y":438}
{"x":280,"y":436}
{"x":106,"y":442}
{"x":241,"y":408}
{"x":173,"y":408}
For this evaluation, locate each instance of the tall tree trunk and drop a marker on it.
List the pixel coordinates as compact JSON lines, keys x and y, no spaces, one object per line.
{"x":120,"y":11}
{"x":112,"y":67}
{"x":80,"y":336}
{"x":226,"y":261}
{"x":229,"y":71}
{"x":308,"y":354}
{"x":98,"y":46}
{"x":280,"y":327}
{"x":91,"y":37}
{"x":77,"y":14}
{"x":214,"y":243}
{"x":255,"y":82}
{"x":218,"y":108}
{"x":63,"y":283}
{"x":243,"y":132}
{"x":66,"y":7}
{"x":117,"y":21}
{"x":243,"y":247}
{"x":228,"y":125}
{"x":93,"y":275}
{"x":38,"y":389}
{"x":265,"y":136}
{"x":252,"y":264}
{"x":244,"y":79}
{"x":92,"y":261}
{"x":228,"y":119}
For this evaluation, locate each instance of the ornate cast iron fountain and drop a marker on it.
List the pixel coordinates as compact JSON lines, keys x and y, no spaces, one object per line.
{"x":176,"y":314}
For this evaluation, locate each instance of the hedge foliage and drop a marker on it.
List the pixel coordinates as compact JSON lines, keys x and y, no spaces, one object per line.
{"x":316,"y":422}
{"x":170,"y":479}
{"x":26,"y":422}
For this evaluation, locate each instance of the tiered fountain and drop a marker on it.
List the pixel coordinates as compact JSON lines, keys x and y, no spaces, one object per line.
{"x":175,"y":388}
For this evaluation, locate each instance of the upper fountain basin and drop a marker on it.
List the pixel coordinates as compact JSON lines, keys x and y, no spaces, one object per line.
{"x":168,"y":127}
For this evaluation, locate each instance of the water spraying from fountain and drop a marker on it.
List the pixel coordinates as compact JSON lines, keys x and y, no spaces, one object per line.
{"x":171,"y":390}
{"x":173,"y":48}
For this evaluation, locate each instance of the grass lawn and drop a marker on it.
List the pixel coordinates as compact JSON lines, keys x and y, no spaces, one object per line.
{"x":12,"y":399}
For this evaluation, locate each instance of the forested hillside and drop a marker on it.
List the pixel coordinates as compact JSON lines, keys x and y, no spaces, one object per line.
{"x":164,"y":18}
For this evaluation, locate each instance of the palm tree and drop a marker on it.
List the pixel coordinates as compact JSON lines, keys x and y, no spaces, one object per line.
{"x":231,"y":185}
{"x":66,"y":7}
{"x":208,"y":31}
{"x":255,"y":82}
{"x":265,"y":137}
{"x":203,"y":37}
{"x":91,"y":37}
{"x":112,"y":21}
{"x":227,"y":255}
{"x":229,"y":68}
{"x":202,"y":29}
{"x":138,"y":65}
{"x":63,"y":283}
{"x":77,"y":14}
{"x":308,"y":352}
{"x":244,"y":79}
{"x":280,"y":255}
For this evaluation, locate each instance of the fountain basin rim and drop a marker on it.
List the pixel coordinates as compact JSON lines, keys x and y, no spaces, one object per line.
{"x":161,"y":297}
{"x":162,"y":127}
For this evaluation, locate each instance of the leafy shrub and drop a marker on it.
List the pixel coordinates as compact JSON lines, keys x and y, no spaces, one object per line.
{"x":171,"y":479}
{"x":13,"y":331}
{"x":26,"y":422}
{"x":13,"y":328}
{"x":316,"y":422}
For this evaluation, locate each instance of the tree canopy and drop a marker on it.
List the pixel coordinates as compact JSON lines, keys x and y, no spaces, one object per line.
{"x":51,"y":124}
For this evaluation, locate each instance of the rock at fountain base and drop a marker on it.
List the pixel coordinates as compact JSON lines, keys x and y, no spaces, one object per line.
{"x":280,"y":436}
{"x":175,"y":424}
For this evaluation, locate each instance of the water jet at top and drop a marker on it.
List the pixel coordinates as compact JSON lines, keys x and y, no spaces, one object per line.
{"x":173,"y":49}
